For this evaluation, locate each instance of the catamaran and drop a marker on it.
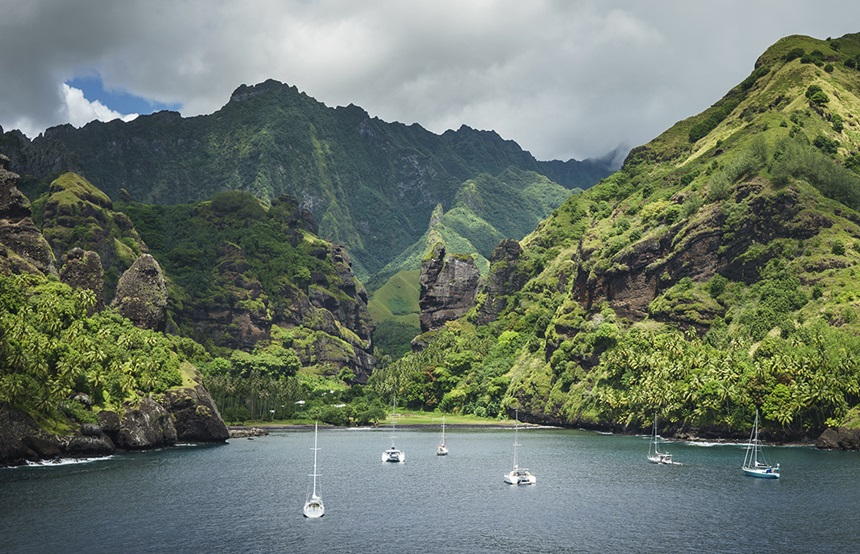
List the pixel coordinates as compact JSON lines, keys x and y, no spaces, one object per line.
{"x":752,"y":465}
{"x":393,"y":454}
{"x":519,"y":475}
{"x":442,"y":450}
{"x":654,"y":454}
{"x":314,"y":507}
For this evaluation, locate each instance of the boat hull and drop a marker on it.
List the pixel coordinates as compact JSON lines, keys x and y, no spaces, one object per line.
{"x":520,"y":478}
{"x":394,"y":456}
{"x":441,"y":451}
{"x":314,"y":508}
{"x":761,"y":473}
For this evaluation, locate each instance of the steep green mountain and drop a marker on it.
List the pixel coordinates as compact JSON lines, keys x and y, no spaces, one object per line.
{"x":371,"y":185}
{"x":715,"y":274}
{"x":486,"y":211}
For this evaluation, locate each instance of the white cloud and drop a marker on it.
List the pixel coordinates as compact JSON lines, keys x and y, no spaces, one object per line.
{"x":79,"y":111}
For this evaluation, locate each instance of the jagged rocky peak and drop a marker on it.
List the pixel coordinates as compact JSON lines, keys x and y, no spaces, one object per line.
{"x":448,"y":284}
{"x":23,"y":249}
{"x":82,"y":269}
{"x":141,"y":294}
{"x":244,"y":92}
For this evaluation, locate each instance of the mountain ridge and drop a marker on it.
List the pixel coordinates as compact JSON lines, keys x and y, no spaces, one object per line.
{"x":371,"y":185}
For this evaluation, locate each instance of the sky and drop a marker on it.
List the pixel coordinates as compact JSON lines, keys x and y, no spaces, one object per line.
{"x":563,"y":78}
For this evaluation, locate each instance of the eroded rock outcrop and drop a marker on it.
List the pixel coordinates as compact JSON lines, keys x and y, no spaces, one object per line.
{"x":506,"y":277}
{"x":141,"y":294}
{"x":23,"y":249}
{"x":448,"y":287}
{"x":195,"y":415}
{"x":82,"y":269}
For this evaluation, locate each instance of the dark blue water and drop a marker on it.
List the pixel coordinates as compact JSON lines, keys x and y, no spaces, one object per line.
{"x":594,"y":493}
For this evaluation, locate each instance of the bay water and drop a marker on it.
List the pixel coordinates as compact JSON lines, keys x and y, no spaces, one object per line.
{"x":594,"y":493}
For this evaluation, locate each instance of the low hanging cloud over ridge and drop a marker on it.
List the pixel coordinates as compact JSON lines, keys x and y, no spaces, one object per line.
{"x":564,"y":79}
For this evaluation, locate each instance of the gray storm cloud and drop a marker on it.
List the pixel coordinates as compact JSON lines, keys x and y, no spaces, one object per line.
{"x":562,"y":78}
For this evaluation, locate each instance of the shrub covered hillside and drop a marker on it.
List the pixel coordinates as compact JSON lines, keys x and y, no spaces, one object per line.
{"x":718,"y":272}
{"x":244,"y":276}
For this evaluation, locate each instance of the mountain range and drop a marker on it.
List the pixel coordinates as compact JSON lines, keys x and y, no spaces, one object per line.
{"x":371,"y":185}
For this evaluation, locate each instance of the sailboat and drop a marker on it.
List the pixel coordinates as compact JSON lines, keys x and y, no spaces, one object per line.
{"x":752,"y":465}
{"x":654,"y":454}
{"x":442,"y":450}
{"x":393,"y":454}
{"x":519,"y":475}
{"x":314,"y":507}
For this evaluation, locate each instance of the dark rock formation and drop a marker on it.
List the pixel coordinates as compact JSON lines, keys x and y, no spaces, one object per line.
{"x":185,"y":414}
{"x":22,"y":440}
{"x":332,"y":304}
{"x":23,"y":249}
{"x":141,"y":294}
{"x":196,"y":417}
{"x":506,"y":277}
{"x":146,"y":426}
{"x":842,"y":438}
{"x":448,"y":287}
{"x":83,"y":270}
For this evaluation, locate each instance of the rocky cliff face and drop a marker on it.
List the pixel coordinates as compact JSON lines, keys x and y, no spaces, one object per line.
{"x":448,"y":288}
{"x":23,"y":249}
{"x":141,"y":294}
{"x":697,"y":248}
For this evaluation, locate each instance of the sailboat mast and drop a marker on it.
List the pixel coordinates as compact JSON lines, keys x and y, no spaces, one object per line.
{"x":755,"y":444}
{"x":516,"y":427}
{"x":315,"y":457}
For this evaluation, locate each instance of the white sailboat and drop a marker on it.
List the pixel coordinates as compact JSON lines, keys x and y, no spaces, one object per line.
{"x":654,"y":454}
{"x":442,"y":449}
{"x":753,"y":466}
{"x":518,"y":475}
{"x":393,"y":454}
{"x":314,"y":507}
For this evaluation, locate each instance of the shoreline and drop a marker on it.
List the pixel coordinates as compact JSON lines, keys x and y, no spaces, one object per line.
{"x":701,"y":441}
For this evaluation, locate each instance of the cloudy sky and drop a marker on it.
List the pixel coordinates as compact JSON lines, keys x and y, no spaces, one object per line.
{"x":565,"y":79}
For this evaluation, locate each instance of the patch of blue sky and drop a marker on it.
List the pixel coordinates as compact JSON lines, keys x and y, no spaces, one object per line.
{"x":118,"y":100}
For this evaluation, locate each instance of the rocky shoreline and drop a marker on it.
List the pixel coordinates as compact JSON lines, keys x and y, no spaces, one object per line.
{"x":183,"y":415}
